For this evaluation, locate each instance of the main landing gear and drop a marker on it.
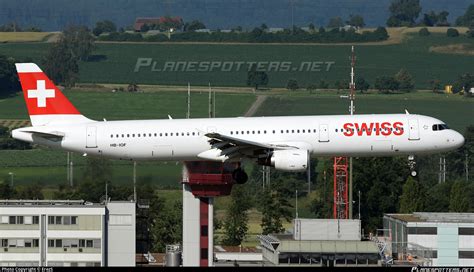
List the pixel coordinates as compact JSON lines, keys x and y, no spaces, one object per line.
{"x":412,"y":165}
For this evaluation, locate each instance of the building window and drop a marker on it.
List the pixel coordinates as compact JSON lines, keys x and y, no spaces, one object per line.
{"x":82,"y":243}
{"x":466,"y":254}
{"x":4,"y":242}
{"x":50,"y":243}
{"x":59,"y":243}
{"x":51,"y":220}
{"x":35,"y":242}
{"x":35,"y":220}
{"x":12,"y":220}
{"x":89,"y":243}
{"x":466,"y":231}
{"x":422,"y":230}
{"x":59,"y":220}
{"x":73,"y":220}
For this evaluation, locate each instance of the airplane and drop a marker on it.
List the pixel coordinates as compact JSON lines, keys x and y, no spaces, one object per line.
{"x":285,"y":143}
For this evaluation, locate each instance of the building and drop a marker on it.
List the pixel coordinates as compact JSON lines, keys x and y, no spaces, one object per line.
{"x":66,"y":233}
{"x":140,"y":22}
{"x":437,"y":239}
{"x":320,"y":242}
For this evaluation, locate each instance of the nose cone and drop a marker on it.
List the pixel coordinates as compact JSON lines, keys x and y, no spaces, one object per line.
{"x":458,"y":139}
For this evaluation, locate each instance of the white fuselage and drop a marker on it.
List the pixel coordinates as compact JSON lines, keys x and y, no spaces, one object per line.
{"x":184,"y":139}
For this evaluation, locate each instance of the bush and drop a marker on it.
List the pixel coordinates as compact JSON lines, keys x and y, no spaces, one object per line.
{"x":292,"y":85}
{"x":424,"y":32}
{"x":452,"y":32}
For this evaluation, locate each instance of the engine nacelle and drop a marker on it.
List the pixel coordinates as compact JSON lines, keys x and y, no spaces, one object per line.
{"x":290,"y":160}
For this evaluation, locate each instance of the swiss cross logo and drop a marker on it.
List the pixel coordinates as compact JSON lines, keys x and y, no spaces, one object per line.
{"x":41,"y":93}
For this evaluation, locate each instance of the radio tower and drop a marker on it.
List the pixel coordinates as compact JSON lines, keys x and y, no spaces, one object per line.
{"x":342,"y":206}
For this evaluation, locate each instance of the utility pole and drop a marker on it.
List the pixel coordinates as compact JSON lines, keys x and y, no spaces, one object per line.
{"x":351,"y":110}
{"x":214,"y":105}
{"x":466,"y":165}
{"x":359,"y":204}
{"x":210,"y":101}
{"x":442,"y":170}
{"x":296,"y":197}
{"x":188,"y":115}
{"x":67,"y":168}
{"x":11,"y":178}
{"x":135,"y":181}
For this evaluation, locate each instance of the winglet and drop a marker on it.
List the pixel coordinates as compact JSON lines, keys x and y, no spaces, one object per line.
{"x":406,"y":111}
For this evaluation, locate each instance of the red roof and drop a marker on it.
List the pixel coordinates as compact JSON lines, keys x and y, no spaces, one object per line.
{"x":139,"y":22}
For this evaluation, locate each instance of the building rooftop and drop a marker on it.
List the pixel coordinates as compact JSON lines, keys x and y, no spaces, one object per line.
{"x":434,"y":217}
{"x":52,"y":203}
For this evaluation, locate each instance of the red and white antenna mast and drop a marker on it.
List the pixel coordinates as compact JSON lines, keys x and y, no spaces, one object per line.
{"x":352,"y":84}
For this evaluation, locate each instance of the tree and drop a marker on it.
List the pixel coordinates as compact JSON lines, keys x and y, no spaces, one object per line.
{"x":97,"y":173}
{"x":61,"y":62}
{"x":256,"y":78}
{"x":381,"y":33}
{"x":8,"y":77}
{"x":356,"y":20}
{"x":79,"y":40}
{"x":292,"y":84}
{"x":312,"y":28}
{"x":386,"y":83}
{"x":105,"y":26}
{"x":424,"y":32}
{"x":412,"y":198}
{"x":430,"y":19}
{"x":464,"y":82}
{"x":361,"y":84}
{"x":459,"y":197}
{"x":403,"y":12}
{"x":275,"y":208}
{"x":6,"y":192}
{"x":438,"y":200}
{"x":405,"y":81}
{"x":468,"y":18}
{"x":452,"y":32}
{"x":335,"y":22}
{"x":193,"y":26}
{"x":235,"y":223}
{"x":32,"y":191}
{"x":436,"y":85}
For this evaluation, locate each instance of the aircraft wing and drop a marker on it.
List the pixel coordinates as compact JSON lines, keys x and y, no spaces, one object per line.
{"x":231,"y":146}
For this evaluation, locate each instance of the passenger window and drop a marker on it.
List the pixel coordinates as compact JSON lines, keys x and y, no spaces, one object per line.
{"x":282,"y":131}
{"x":264,"y":132}
{"x":155,"y":134}
{"x":193,"y":133}
{"x":116,"y":136}
{"x":298,"y":131}
{"x":128,"y":135}
{"x":273,"y":132}
{"x":139,"y":135}
{"x":236,"y":132}
{"x":111,"y":135}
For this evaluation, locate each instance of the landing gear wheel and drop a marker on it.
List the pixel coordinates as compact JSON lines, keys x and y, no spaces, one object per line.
{"x":240,"y":176}
{"x":412,"y":165}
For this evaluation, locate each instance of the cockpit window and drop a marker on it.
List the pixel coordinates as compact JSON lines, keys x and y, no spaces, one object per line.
{"x":437,"y":127}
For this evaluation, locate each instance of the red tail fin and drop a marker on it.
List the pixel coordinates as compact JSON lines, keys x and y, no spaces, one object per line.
{"x":45,"y":102}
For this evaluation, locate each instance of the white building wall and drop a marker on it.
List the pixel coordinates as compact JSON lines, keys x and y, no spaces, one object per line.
{"x":191,"y":228}
{"x":121,"y":234}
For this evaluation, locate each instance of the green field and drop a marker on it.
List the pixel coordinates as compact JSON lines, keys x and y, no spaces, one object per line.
{"x":116,"y":61}
{"x":457,"y":111}
{"x":124,"y":105}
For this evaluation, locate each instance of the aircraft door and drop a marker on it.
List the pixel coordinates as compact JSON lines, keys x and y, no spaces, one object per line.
{"x":323,"y":133}
{"x":91,"y":137}
{"x":414,"y":132}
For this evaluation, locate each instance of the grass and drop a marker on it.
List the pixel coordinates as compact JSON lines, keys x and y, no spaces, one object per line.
{"x":23,"y":36}
{"x":124,"y":105}
{"x":117,"y":61}
{"x":163,"y":175}
{"x":455,"y":110}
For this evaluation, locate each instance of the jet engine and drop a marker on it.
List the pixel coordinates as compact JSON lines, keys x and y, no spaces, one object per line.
{"x":288,"y":160}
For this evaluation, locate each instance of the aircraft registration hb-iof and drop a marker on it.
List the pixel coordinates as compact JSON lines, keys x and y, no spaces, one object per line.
{"x":285,"y":143}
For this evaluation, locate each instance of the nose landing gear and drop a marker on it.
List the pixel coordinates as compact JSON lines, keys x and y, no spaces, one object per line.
{"x":412,"y":165}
